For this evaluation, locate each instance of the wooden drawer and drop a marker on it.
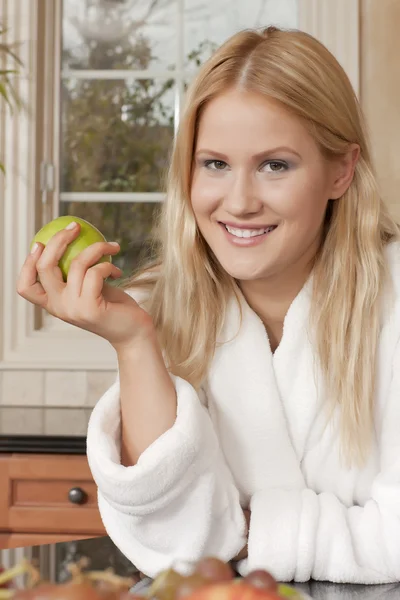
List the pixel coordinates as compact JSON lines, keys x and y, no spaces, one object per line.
{"x":35,"y":497}
{"x":52,"y":493}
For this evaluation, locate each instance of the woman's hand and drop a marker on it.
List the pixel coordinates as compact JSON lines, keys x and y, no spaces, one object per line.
{"x":85,"y":300}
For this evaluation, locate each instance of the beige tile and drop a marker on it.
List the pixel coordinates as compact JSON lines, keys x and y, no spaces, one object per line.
{"x":22,"y":388}
{"x":98,"y":382}
{"x":21,"y":421}
{"x":65,"y":388}
{"x":65,"y":421}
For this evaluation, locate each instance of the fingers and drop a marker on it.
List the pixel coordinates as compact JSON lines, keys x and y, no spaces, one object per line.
{"x":85,"y":275}
{"x":27,"y":286}
{"x":86,"y":260}
{"x":93,"y":282}
{"x":47,"y":266}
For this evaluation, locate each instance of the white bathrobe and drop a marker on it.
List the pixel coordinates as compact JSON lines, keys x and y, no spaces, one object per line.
{"x":257,"y":436}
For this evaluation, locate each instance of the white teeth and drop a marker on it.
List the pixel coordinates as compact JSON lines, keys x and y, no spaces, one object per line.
{"x":248,"y":233}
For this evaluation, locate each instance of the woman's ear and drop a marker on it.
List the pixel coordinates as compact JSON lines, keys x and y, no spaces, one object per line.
{"x":343,"y":171}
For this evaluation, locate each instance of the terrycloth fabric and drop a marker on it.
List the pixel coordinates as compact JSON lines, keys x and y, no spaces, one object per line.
{"x":257,"y":436}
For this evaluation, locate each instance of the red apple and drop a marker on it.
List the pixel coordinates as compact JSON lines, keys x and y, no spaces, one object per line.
{"x":214,"y":569}
{"x":88,"y":235}
{"x":233,"y":591}
{"x":262,"y":579}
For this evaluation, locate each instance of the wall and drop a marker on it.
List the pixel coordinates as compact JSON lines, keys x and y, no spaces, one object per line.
{"x":380,"y":91}
{"x":77,"y":390}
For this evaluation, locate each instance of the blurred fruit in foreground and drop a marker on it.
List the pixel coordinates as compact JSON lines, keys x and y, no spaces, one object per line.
{"x":165,"y":585}
{"x":261,"y":579}
{"x":214,"y":569}
{"x":189,"y":585}
{"x":237,"y":591}
{"x":211,"y":579}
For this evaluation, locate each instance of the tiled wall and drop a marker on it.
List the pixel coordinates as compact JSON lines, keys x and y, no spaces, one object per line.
{"x":66,"y":396}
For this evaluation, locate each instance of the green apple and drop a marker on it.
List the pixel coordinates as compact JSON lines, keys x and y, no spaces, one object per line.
{"x":88,"y":235}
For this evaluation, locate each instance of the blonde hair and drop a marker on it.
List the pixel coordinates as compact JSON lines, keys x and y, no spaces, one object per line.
{"x":190,"y":290}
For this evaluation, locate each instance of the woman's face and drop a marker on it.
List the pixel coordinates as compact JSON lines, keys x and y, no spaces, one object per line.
{"x":260,"y":185}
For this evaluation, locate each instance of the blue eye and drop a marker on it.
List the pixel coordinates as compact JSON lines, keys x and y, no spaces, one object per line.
{"x":281,"y":166}
{"x":215,"y":165}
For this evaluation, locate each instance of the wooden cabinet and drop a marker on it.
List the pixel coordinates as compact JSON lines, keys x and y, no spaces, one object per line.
{"x":46,"y":499}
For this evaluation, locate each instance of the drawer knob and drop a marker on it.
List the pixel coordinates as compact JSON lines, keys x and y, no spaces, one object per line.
{"x":77,"y":495}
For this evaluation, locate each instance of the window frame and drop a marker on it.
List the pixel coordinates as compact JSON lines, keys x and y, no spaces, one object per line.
{"x":30,"y":144}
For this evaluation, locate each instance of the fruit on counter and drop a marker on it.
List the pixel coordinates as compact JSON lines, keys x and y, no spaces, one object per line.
{"x":214,"y":569}
{"x":189,"y":585}
{"x":240,"y":590}
{"x":165,"y":585}
{"x":210,"y":579}
{"x":262,"y":579}
{"x":83,"y":585}
{"x":170,"y":585}
{"x":88,"y":235}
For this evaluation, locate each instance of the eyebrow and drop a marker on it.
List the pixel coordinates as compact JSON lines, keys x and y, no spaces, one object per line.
{"x":257,"y":156}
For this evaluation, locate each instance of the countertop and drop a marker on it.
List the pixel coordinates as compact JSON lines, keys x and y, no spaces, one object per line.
{"x":331,"y":591}
{"x":102,"y":556}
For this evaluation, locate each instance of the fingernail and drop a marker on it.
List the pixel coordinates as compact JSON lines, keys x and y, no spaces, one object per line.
{"x":114,"y":243}
{"x":34,"y":248}
{"x":71,"y":225}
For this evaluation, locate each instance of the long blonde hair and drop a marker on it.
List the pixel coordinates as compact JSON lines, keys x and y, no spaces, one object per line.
{"x":190,"y":290}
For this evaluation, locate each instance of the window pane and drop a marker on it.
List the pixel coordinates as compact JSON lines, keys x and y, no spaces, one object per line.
{"x":128,"y":223}
{"x":124,"y":34}
{"x":208,"y":23}
{"x":116,"y":135}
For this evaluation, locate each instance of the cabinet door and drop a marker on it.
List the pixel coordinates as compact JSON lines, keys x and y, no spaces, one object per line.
{"x":39,"y":497}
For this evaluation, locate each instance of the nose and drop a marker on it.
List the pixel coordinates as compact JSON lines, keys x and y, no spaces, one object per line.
{"x":240,"y":198}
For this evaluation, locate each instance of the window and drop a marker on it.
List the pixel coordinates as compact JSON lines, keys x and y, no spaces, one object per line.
{"x":104,"y":82}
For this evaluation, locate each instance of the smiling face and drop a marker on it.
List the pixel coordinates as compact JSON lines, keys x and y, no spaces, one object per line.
{"x":260,"y":186}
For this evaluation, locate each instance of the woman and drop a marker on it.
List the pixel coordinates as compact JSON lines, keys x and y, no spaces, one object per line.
{"x":257,"y":407}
